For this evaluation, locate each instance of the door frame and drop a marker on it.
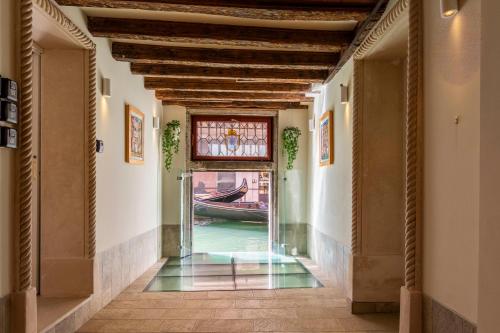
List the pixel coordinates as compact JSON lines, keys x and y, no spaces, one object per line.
{"x":273,"y":189}
{"x":411,"y":292}
{"x":24,"y":296}
{"x":269,"y":166}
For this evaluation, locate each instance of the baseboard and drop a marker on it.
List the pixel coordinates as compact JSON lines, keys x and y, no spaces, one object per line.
{"x":437,"y":318}
{"x":373,"y":307}
{"x":4,"y":314}
{"x":333,"y":257}
{"x":170,"y":240}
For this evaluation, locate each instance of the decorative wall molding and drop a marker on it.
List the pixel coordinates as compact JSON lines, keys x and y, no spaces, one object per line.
{"x":381,"y":28}
{"x":24,"y":246}
{"x":414,"y":131}
{"x":375,"y":35}
{"x":92,"y":168}
{"x":357,"y":124}
{"x":411,"y":303}
{"x":65,"y":23}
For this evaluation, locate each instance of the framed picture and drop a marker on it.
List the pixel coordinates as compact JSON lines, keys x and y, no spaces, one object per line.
{"x":326,"y":143}
{"x":134,"y":135}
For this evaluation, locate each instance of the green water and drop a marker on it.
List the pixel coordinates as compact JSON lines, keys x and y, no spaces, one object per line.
{"x":230,"y":236}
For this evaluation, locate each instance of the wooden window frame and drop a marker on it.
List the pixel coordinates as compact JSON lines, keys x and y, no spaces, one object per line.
{"x":263,"y":119}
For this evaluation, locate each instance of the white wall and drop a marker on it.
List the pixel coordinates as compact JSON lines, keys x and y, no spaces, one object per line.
{"x":294,"y":197}
{"x":127,"y":195}
{"x":451,"y":171}
{"x":330,"y":194}
{"x":171,"y":186}
{"x":489,"y":235}
{"x":7,"y":156}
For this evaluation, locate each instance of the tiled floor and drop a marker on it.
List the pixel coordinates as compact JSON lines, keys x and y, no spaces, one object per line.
{"x":279,"y":310}
{"x":232,"y":271}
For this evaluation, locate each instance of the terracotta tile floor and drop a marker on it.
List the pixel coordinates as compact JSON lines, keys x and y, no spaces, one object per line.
{"x":278,"y":310}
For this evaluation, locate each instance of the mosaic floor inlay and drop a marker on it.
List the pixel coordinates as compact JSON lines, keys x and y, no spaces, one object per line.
{"x":232,"y":271}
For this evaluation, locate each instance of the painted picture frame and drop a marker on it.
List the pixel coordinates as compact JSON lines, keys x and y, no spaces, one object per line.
{"x":326,"y":139}
{"x":134,"y":135}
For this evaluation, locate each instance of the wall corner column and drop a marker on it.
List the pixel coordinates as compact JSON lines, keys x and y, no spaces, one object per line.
{"x":24,"y":311}
{"x":411,"y":292}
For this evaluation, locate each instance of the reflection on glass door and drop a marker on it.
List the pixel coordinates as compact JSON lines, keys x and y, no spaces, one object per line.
{"x":186,"y":239}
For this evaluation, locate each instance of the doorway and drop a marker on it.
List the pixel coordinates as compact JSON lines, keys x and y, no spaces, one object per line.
{"x":231,"y":211}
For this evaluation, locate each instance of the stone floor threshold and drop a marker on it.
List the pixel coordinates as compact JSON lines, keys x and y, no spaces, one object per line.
{"x":52,"y":312}
{"x":276,"y":310}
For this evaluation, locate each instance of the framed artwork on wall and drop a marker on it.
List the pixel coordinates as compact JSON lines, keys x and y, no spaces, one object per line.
{"x":326,"y":137}
{"x":134,"y":135}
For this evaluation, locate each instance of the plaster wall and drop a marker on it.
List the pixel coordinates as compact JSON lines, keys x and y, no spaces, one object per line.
{"x":7,"y":156}
{"x":128,"y":196}
{"x":489,"y":216}
{"x":171,"y":202}
{"x":329,"y":187}
{"x":329,"y":190}
{"x":294,"y":193}
{"x":451,"y":156}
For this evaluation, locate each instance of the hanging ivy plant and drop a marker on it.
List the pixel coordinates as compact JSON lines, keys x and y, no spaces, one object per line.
{"x":290,"y":137}
{"x":170,"y":142}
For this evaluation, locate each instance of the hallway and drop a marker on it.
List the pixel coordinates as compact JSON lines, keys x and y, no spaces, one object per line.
{"x":356,"y":140}
{"x":280,"y":310}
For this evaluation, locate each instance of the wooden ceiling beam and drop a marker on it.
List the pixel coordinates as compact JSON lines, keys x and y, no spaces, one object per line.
{"x":360,"y":34}
{"x":156,"y":54}
{"x":219,"y":35}
{"x":222,"y":85}
{"x":248,"y":74}
{"x":230,"y":96}
{"x":238,"y":105}
{"x":314,"y":10}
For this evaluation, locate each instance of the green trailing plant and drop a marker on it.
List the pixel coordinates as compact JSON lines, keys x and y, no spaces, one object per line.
{"x":290,"y":137}
{"x":170,"y":142}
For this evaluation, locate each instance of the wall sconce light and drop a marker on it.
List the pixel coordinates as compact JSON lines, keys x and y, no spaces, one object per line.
{"x":449,"y":8}
{"x":312,"y":123}
{"x":106,"y":87}
{"x":344,"y":94}
{"x":156,"y":122}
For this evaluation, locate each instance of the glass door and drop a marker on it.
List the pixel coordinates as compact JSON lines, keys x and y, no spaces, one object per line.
{"x":186,"y":213}
{"x":280,"y":246}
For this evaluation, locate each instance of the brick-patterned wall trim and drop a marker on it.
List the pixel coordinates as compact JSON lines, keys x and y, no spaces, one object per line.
{"x":439,"y":319}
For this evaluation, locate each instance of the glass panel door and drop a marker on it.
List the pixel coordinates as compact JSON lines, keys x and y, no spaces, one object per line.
{"x":186,"y":213}
{"x":280,"y":245}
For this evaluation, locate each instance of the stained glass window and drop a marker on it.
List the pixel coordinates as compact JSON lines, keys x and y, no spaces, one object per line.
{"x":229,"y":138}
